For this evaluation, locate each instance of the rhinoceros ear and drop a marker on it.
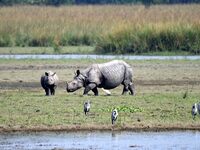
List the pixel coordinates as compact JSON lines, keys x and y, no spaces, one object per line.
{"x":46,"y":74}
{"x":77,"y":72}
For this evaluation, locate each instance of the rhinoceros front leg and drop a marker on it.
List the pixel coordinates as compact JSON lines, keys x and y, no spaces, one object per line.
{"x":96,"y":93}
{"x":91,"y":86}
{"x":47,"y":91}
{"x":128,"y":85}
{"x":125,"y":90}
{"x":131,"y":88}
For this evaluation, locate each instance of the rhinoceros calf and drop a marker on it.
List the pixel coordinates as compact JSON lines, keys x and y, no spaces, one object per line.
{"x":49,"y":82}
{"x":107,"y":75}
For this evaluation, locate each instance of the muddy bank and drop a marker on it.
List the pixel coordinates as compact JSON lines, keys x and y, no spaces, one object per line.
{"x":78,"y":128}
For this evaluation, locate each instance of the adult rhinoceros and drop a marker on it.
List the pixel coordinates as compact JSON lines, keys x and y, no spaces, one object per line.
{"x":107,"y":75}
{"x":49,"y":82}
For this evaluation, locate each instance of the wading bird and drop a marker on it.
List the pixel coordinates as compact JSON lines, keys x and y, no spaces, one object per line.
{"x":114,"y":115}
{"x":198,"y":108}
{"x":86,"y":107}
{"x":194,"y":110}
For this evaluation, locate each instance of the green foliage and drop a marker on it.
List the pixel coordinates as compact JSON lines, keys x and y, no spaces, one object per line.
{"x":148,"y":39}
{"x":57,"y":48}
{"x":75,"y":39}
{"x":130,"y":109}
{"x":22,"y":39}
{"x":123,"y":108}
{"x":5,"y":40}
{"x":44,"y":41}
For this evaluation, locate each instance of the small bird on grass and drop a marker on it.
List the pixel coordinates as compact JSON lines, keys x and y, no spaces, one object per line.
{"x":114,"y":115}
{"x":86,"y":107}
{"x":194,"y":110}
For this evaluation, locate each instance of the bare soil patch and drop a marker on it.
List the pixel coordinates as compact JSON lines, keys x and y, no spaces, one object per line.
{"x":31,"y":85}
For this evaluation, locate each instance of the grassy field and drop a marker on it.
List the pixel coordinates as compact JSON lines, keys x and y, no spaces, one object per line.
{"x":158,"y":104}
{"x":110,"y":28}
{"x":75,"y":50}
{"x":48,"y":50}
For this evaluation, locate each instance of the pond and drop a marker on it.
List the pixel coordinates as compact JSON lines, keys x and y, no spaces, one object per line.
{"x":77,"y":56}
{"x":101,"y":140}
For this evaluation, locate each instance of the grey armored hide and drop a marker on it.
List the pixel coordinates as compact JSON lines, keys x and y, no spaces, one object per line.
{"x":107,"y":75}
{"x":114,"y":73}
{"x":49,"y":82}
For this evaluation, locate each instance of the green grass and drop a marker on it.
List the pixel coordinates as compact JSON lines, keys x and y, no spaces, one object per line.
{"x":47,"y":50}
{"x":27,"y":109}
{"x":158,"y":102}
{"x":75,"y":50}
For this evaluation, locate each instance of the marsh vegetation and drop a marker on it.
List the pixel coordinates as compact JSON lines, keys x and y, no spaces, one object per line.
{"x":117,"y":29}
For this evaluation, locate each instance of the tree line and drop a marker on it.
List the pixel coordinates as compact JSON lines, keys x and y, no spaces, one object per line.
{"x":79,"y":2}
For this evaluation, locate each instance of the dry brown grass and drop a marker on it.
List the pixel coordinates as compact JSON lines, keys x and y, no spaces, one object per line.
{"x":54,"y":22}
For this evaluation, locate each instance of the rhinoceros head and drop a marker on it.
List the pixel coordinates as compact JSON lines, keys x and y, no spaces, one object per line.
{"x":50,"y":77}
{"x":77,"y":83}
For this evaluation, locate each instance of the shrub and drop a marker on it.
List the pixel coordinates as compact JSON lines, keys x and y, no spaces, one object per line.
{"x":5,"y":40}
{"x":73,"y":38}
{"x":22,"y":39}
{"x":149,"y":39}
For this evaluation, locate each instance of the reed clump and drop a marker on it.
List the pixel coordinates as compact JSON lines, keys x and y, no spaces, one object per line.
{"x":111,"y":28}
{"x":149,"y":39}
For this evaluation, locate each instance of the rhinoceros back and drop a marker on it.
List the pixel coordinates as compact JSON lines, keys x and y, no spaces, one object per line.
{"x":114,"y":73}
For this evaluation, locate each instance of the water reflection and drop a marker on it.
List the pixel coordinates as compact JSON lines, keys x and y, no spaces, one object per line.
{"x":102,"y":140}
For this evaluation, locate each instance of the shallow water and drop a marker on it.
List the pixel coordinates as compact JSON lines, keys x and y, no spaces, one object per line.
{"x":77,"y":56}
{"x":173,"y":140}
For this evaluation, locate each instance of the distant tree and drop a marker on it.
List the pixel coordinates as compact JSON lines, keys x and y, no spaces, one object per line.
{"x":147,"y":3}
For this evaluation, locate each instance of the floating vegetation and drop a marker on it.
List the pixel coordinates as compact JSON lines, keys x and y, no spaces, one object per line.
{"x":123,"y":108}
